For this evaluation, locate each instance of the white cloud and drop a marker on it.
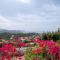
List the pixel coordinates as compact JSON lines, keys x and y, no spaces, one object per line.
{"x":3,"y":20}
{"x":24,"y":1}
{"x":6,"y":23}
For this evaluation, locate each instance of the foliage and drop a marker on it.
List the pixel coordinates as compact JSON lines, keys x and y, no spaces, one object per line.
{"x":26,"y":41}
{"x":45,"y":50}
{"x":51,"y":36}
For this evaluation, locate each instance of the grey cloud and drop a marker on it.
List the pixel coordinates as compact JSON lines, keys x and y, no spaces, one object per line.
{"x":40,"y":15}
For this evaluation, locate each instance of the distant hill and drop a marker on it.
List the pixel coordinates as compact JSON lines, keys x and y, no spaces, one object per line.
{"x":10,"y":31}
{"x":6,"y":34}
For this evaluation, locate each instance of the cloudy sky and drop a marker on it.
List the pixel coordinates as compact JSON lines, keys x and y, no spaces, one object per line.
{"x":30,"y":15}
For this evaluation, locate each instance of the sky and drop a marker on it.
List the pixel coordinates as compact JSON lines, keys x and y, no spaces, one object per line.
{"x":30,"y":15}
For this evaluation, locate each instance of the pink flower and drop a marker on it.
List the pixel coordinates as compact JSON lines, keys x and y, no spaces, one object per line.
{"x":22,"y":44}
{"x":37,"y":41}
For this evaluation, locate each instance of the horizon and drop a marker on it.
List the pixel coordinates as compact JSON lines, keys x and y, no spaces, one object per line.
{"x":30,"y":15}
{"x":7,"y":30}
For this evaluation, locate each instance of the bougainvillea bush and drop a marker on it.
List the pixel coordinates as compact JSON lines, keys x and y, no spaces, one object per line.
{"x":6,"y":51}
{"x":44,"y":50}
{"x":41,"y":50}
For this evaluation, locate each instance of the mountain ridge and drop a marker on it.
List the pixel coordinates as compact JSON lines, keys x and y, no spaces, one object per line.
{"x":10,"y":31}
